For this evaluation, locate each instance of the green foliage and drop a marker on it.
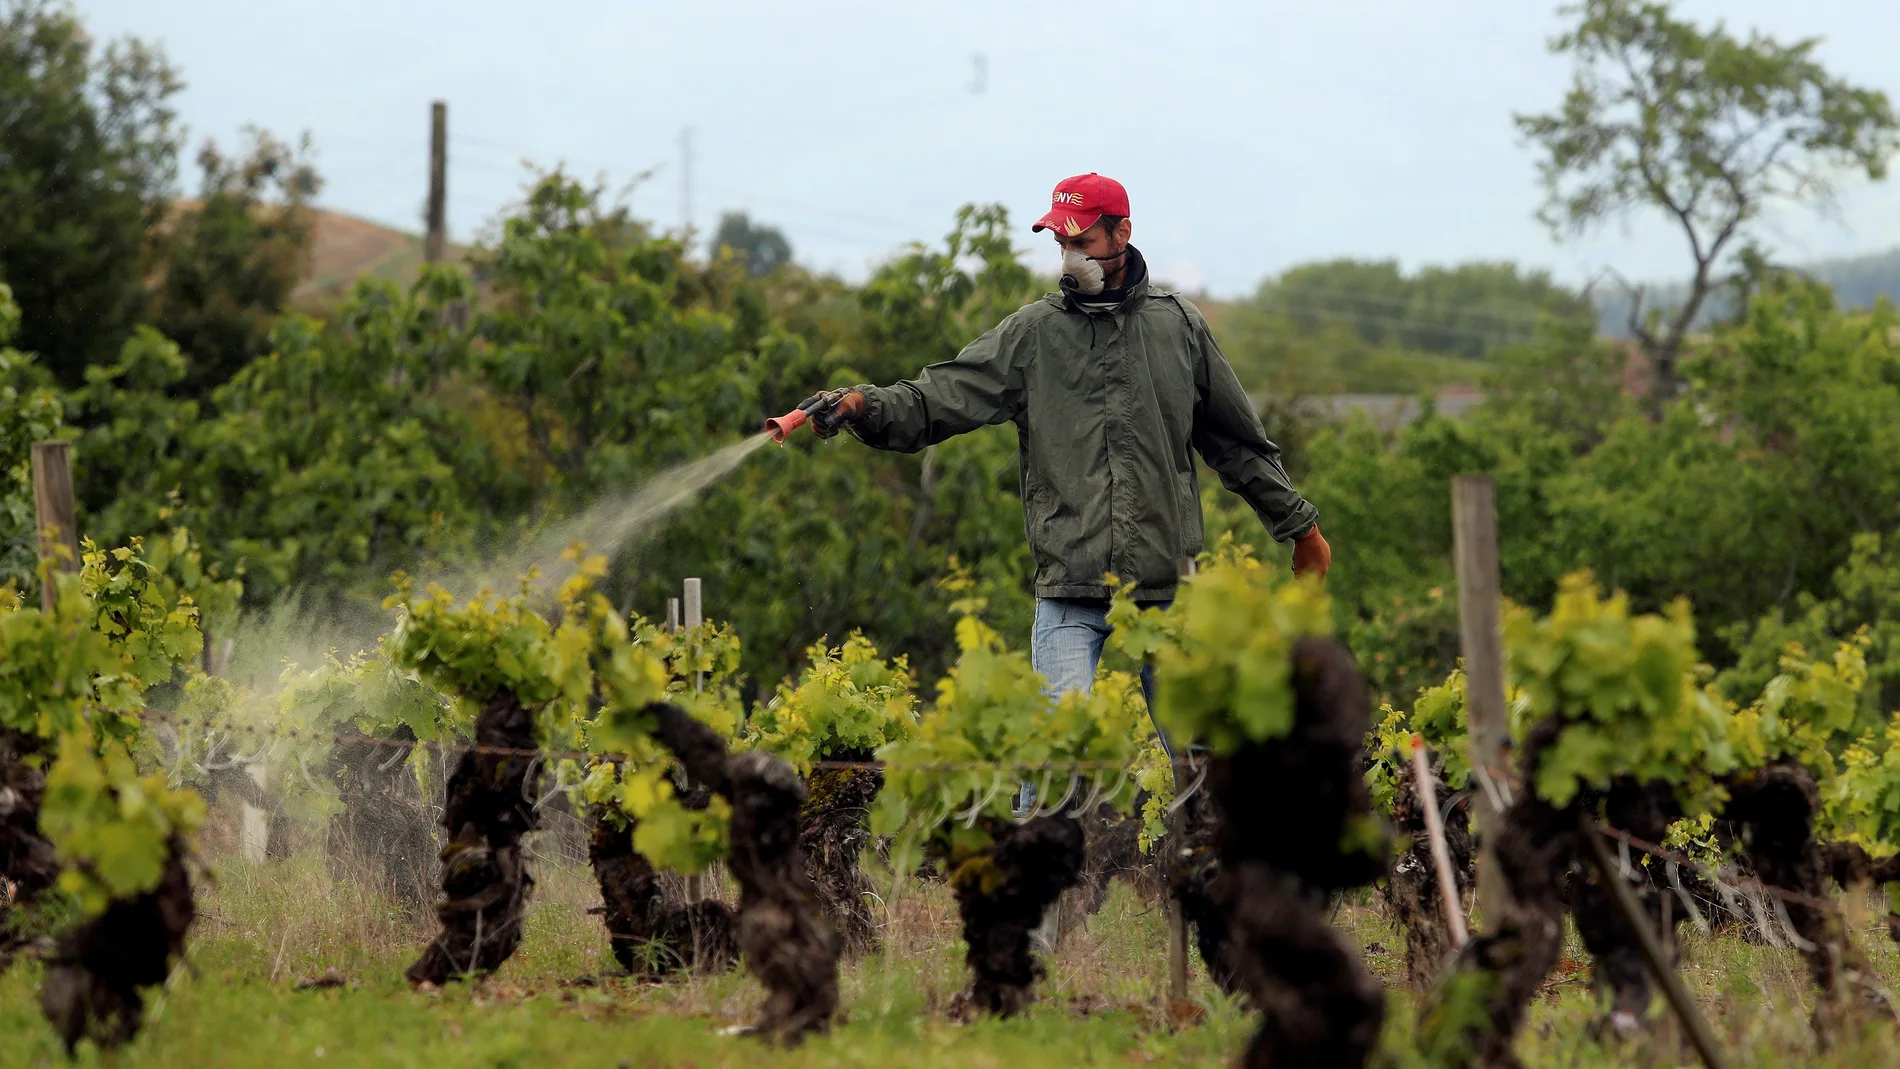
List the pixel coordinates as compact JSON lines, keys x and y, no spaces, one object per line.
{"x":1154,"y":776}
{"x":1439,"y":718}
{"x":52,"y":667}
{"x":1223,"y":650}
{"x":1704,"y":127}
{"x":77,"y":676}
{"x":232,"y":258}
{"x":1623,"y":688}
{"x":91,"y":146}
{"x":1861,"y":802}
{"x":588,"y":678}
{"x":154,"y":629}
{"x":1360,"y":326}
{"x":30,"y":411}
{"x":763,"y":249}
{"x":1806,"y":711}
{"x":955,"y":776}
{"x":847,"y":701}
{"x":112,"y":827}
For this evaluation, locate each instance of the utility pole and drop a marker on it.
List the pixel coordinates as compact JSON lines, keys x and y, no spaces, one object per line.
{"x":436,"y":242}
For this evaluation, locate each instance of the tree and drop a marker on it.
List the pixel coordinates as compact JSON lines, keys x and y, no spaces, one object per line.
{"x":230,"y":260}
{"x":88,"y":154}
{"x":762,"y":247}
{"x":1708,"y":128}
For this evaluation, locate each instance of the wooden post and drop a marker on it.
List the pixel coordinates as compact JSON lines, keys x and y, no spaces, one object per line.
{"x":1176,"y":838}
{"x":55,"y":516}
{"x":1177,"y":917}
{"x":436,"y":242}
{"x":695,"y":615}
{"x":1474,"y":528}
{"x":672,"y":616}
{"x":695,"y":884}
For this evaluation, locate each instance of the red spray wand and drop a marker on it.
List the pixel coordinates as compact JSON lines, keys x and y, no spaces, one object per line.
{"x":781,"y":427}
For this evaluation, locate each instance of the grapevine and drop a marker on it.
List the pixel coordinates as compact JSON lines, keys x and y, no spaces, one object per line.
{"x":80,"y":812}
{"x":846,"y":704}
{"x":992,"y":708}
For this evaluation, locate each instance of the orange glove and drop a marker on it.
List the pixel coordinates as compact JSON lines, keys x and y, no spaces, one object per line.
{"x":1312,"y":554}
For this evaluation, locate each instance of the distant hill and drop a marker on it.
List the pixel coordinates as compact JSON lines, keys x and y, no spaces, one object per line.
{"x":345,"y":248}
{"x":1858,"y":282}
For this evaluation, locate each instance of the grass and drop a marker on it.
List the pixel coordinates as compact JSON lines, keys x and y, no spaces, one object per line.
{"x":265,"y":928}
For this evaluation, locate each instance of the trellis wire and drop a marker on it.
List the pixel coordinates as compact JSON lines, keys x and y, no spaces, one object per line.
{"x":169,"y":720}
{"x":1493,"y":781}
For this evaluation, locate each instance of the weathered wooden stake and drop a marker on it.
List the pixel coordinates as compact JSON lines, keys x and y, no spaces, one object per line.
{"x":55,"y":516}
{"x":1177,"y":834}
{"x":695,"y":884}
{"x":672,"y":616}
{"x":1177,"y":917}
{"x":695,"y":615}
{"x":1474,"y":528}
{"x":1678,"y":996}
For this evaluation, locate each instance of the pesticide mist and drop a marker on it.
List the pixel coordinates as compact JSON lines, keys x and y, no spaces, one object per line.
{"x":605,"y":527}
{"x":292,"y":632}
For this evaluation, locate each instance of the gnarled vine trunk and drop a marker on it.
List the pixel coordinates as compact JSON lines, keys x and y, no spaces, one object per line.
{"x":485,"y":881}
{"x":1539,"y":848}
{"x":1621,"y":975}
{"x":382,"y":833}
{"x":1002,"y":896}
{"x":1412,"y":884}
{"x":788,"y":945}
{"x":1193,"y":870}
{"x":1111,"y":849}
{"x":94,"y":977}
{"x":1499,"y":972}
{"x":653,"y":934}
{"x":27,"y":860}
{"x":834,"y":830}
{"x":1318,"y":1004}
{"x":1774,"y":809}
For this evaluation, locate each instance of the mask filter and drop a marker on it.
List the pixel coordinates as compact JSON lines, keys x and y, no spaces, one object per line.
{"x":1080,"y":272}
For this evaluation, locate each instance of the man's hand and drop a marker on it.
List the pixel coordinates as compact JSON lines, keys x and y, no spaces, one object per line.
{"x":1312,"y":554}
{"x":839,"y":408}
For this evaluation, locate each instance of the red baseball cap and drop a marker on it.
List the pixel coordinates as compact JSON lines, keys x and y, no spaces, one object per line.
{"x":1079,"y":201}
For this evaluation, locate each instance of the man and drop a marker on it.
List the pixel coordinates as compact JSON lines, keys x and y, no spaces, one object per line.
{"x":1113,"y":385}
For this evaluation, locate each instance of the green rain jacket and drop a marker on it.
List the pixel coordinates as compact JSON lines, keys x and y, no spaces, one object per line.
{"x":1110,"y":403}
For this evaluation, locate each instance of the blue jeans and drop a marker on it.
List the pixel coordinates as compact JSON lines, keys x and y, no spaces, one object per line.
{"x":1065,"y":646}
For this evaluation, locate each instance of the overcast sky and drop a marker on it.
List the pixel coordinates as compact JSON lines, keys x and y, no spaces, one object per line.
{"x":1251,"y":135}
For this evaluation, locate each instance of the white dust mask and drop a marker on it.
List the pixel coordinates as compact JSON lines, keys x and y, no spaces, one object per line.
{"x":1084,"y":274}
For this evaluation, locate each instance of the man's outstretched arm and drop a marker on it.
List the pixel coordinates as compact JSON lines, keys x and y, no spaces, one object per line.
{"x":1228,"y":435}
{"x":981,"y":386}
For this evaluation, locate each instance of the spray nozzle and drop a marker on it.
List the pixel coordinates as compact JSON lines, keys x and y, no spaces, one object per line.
{"x":781,"y":427}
